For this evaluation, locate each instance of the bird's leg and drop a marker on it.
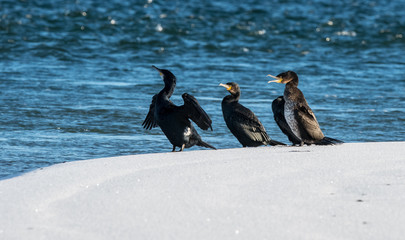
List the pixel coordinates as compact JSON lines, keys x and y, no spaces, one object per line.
{"x":182,"y":147}
{"x":174,"y":148}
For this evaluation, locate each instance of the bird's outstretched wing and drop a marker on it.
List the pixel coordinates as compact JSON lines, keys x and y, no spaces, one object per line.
{"x":194,"y":111}
{"x":278,"y":112}
{"x":150,"y":121}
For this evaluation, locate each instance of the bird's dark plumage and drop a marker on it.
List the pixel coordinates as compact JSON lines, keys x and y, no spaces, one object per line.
{"x":242,"y":122}
{"x":294,"y":116}
{"x":174,"y":120}
{"x":278,"y":112}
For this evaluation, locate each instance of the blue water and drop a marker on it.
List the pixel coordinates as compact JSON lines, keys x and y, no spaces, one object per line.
{"x":76,"y":78}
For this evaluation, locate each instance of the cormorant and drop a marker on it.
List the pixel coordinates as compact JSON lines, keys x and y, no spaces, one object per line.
{"x":294,"y":116}
{"x":242,"y":122}
{"x":174,"y":120}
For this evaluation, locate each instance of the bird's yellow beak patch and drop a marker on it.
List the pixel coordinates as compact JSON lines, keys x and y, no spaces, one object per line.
{"x":278,"y":79}
{"x":228,"y":87}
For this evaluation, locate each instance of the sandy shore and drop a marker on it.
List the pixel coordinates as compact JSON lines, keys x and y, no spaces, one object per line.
{"x":350,"y":191}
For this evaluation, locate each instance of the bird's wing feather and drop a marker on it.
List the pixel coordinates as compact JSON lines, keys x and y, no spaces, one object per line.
{"x":245,"y":120}
{"x":150,"y":121}
{"x":194,"y":111}
{"x":305,"y":117}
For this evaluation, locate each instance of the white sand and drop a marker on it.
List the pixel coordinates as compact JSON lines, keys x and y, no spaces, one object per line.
{"x":351,"y":191}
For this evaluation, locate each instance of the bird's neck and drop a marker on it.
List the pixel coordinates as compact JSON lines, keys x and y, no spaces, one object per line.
{"x":292,"y":93}
{"x":169,"y":88}
{"x":232,"y":97}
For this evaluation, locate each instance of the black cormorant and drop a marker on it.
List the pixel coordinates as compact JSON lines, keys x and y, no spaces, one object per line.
{"x":174,"y":120}
{"x":293,"y":115}
{"x":242,"y":122}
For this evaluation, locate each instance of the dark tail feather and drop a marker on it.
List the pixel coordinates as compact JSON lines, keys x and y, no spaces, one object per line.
{"x":329,"y":141}
{"x":274,"y":143}
{"x":204,"y":144}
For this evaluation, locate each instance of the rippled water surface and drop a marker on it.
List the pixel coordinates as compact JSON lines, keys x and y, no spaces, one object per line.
{"x":76,"y":78}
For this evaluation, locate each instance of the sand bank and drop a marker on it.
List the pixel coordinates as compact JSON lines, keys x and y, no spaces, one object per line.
{"x":350,"y":191}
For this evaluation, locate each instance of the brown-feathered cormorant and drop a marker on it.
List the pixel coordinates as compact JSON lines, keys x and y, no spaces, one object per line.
{"x":174,"y":120}
{"x":242,"y":122}
{"x":302,"y":126}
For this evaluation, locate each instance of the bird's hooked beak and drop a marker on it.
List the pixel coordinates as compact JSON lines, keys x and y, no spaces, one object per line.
{"x":278,"y":79}
{"x":157,"y":69}
{"x":228,"y":87}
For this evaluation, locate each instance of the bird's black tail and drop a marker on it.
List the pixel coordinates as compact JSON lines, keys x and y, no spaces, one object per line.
{"x":274,"y":142}
{"x":329,"y":141}
{"x":204,"y":144}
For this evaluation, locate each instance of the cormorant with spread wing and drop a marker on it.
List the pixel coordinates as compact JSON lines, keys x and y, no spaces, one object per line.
{"x":242,"y":122}
{"x":294,"y":116}
{"x":174,"y":120}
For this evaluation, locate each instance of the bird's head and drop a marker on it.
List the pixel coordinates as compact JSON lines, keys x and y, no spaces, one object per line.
{"x":284,"y":77}
{"x":166,"y":75}
{"x":231,"y":87}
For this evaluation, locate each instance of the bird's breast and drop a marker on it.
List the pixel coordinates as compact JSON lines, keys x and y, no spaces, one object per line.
{"x":187,"y":132}
{"x":290,"y":118}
